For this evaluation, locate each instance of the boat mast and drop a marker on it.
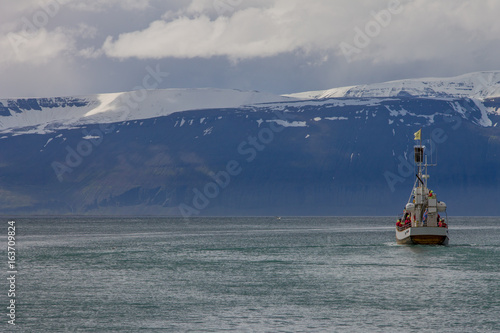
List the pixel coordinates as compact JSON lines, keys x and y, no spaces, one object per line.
{"x":420,"y":188}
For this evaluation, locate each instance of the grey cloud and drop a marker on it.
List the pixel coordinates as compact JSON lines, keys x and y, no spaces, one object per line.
{"x":281,"y":46}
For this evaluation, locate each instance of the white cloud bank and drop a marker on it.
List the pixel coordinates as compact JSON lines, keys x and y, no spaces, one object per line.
{"x":274,"y":45}
{"x":418,"y":30}
{"x":245,"y":29}
{"x":247,"y":32}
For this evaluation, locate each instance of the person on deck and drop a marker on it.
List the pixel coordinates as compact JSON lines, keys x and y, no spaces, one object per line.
{"x":407,"y":220}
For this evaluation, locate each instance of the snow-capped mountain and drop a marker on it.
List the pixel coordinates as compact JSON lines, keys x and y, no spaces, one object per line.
{"x":44,"y":115}
{"x":190,"y":152}
{"x":480,"y":85}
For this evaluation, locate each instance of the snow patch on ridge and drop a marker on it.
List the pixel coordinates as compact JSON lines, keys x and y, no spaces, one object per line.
{"x":285,"y":123}
{"x":479,"y":85}
{"x":336,"y":118}
{"x":122,"y":107}
{"x":322,"y":94}
{"x":484,"y":121}
{"x":91,"y":137}
{"x":48,"y":141}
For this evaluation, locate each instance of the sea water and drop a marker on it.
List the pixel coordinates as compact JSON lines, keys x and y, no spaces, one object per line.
{"x":251,"y":275}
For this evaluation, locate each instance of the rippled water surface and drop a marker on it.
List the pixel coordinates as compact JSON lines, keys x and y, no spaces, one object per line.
{"x":253,"y":275}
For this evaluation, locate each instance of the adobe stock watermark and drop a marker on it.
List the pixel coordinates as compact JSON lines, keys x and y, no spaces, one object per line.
{"x":32,"y":24}
{"x":406,"y":168}
{"x":438,"y":136}
{"x":226,"y":6}
{"x":248,"y":149}
{"x":94,"y":137}
{"x":363,"y":37}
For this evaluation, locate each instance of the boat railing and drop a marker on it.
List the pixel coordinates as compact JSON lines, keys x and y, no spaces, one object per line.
{"x":417,"y":225}
{"x":403,"y":227}
{"x":424,"y":225}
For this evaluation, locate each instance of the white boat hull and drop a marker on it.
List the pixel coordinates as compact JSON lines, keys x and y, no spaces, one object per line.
{"x":423,"y":236}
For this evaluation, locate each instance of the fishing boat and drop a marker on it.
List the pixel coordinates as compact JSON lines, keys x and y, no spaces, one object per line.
{"x":421,"y":221}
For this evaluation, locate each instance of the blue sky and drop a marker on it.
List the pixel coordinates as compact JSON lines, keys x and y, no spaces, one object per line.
{"x":78,"y":47}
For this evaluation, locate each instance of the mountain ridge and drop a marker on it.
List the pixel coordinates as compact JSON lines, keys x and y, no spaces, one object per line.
{"x":44,"y":115}
{"x":229,"y":152}
{"x":477,"y":85}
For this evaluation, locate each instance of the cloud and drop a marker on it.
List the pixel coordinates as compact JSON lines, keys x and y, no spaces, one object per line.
{"x":417,"y":31}
{"x":249,"y":32}
{"x":273,"y":45}
{"x":433,"y":31}
{"x":37,"y":48}
{"x":223,"y":7}
{"x":201,"y":37}
{"x":103,"y":5}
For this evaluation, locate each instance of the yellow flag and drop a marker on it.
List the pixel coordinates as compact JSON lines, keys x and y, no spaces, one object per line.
{"x":418,"y":135}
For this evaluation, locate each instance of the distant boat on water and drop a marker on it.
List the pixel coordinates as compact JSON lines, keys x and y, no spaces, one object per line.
{"x":421,"y":221}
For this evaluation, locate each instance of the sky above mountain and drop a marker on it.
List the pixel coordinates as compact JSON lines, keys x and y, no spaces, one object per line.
{"x":72,"y":47}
